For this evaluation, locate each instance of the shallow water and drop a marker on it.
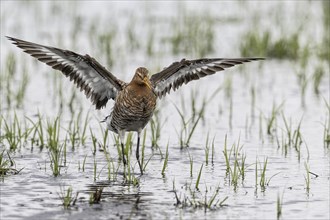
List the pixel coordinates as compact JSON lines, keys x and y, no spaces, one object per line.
{"x":35,"y":193}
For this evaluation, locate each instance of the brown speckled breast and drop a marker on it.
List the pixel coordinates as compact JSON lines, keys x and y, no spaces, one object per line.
{"x":133,"y":108}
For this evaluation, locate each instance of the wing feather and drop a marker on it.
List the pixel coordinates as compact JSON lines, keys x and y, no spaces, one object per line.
{"x":179,"y":73}
{"x":99,"y":84}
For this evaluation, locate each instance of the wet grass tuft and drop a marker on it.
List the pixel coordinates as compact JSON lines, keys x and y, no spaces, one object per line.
{"x":323,"y":48}
{"x":14,"y":82}
{"x":326,"y":125}
{"x":165,"y":161}
{"x":291,"y":138}
{"x":95,"y":197}
{"x":279,"y":205}
{"x":188,"y":127}
{"x":235,"y":163}
{"x":271,"y":120}
{"x":67,"y":197}
{"x":155,"y":126}
{"x":7,"y":165}
{"x":260,"y":175}
{"x":307,"y":177}
{"x":200,"y":200}
{"x":199,"y":177}
{"x":261,"y":44}
{"x":192,"y":34}
{"x":318,"y":75}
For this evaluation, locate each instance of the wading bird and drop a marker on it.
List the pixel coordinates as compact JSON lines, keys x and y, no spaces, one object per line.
{"x":135,"y":101}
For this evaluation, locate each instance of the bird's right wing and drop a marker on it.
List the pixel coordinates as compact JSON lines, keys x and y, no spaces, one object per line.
{"x":99,"y":84}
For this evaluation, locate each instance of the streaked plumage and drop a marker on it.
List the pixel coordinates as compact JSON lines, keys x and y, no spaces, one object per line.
{"x":133,"y":108}
{"x":135,"y":101}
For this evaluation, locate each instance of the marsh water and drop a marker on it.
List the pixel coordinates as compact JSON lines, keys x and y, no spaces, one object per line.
{"x":269,"y":118}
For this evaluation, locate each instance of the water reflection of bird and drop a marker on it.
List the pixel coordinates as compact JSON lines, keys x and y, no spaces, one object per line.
{"x":135,"y":101}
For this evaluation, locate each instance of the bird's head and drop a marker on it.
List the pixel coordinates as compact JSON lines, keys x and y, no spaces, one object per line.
{"x":141,"y":77}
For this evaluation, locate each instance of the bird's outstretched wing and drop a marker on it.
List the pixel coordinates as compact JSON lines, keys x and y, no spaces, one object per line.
{"x":185,"y":71}
{"x":98,"y":84}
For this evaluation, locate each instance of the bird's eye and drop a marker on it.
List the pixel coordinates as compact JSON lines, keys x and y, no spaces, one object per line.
{"x":140,"y":75}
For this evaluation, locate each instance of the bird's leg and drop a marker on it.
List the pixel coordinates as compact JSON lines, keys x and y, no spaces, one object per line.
{"x":122,"y":140}
{"x":123,"y":153}
{"x":138,"y":152}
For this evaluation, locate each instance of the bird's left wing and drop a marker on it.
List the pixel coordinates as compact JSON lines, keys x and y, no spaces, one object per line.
{"x":185,"y":71}
{"x":99,"y":84}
